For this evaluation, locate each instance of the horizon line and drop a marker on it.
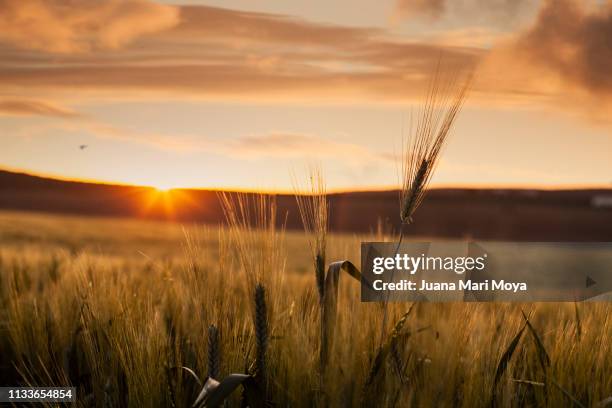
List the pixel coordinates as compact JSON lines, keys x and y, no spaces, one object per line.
{"x":280,"y":191}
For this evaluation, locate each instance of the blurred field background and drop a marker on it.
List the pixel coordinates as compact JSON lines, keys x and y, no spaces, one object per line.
{"x":114,"y":306}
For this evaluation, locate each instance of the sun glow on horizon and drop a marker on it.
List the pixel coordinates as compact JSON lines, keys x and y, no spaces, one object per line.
{"x":163,"y":187}
{"x":168,"y":203}
{"x":161,"y":201}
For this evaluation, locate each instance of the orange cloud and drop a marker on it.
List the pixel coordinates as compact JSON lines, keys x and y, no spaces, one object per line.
{"x":429,"y":8}
{"x":483,"y":10}
{"x":573,"y":41}
{"x":216,"y":53}
{"x":565,"y":55}
{"x":244,"y":27}
{"x":240,"y":81}
{"x":219,"y":53}
{"x":24,"y":107}
{"x":78,"y":26}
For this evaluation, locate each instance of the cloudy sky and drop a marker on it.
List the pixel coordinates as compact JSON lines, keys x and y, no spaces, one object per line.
{"x":241,"y":93}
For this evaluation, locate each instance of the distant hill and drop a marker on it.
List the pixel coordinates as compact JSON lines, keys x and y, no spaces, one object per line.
{"x":502,"y":214}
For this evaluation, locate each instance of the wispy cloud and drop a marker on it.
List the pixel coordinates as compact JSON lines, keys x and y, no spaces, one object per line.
{"x":28,"y":107}
{"x":80,"y":26}
{"x":291,"y":145}
{"x":271,"y":145}
{"x":244,"y":27}
{"x":143,"y":49}
{"x":219,"y":53}
{"x":470,"y":10}
{"x":428,"y":8}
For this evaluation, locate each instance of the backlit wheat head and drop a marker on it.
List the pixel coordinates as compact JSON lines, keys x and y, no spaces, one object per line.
{"x":443,"y":102}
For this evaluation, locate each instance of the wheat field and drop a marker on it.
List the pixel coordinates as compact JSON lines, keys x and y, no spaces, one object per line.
{"x":122,"y":310}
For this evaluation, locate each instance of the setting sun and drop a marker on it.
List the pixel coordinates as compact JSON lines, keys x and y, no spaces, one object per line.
{"x":162,"y":187}
{"x":166,"y":201}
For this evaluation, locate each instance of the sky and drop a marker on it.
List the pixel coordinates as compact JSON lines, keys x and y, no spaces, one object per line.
{"x":248,"y":94}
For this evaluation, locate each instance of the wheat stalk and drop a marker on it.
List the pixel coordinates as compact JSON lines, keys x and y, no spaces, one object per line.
{"x":314,"y":212}
{"x":443,"y":102}
{"x":421,"y":151}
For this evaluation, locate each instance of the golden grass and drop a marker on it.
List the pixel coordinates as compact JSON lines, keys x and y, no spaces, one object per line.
{"x":117,"y":324}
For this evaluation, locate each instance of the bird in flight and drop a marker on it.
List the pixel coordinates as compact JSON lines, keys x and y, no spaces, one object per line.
{"x":82,"y":147}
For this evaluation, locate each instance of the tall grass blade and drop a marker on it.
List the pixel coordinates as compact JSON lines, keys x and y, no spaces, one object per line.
{"x":507,"y":356}
{"x":385,"y":349}
{"x":192,"y":374}
{"x":529,"y":382}
{"x":578,"y":322}
{"x":606,"y":402}
{"x":214,"y":393}
{"x":542,"y":354}
{"x":567,"y":394}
